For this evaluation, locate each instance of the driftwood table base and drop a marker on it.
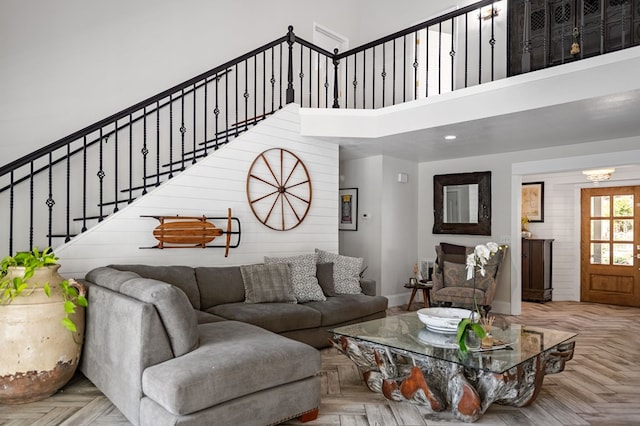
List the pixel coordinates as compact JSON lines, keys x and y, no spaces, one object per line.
{"x":442,"y":385}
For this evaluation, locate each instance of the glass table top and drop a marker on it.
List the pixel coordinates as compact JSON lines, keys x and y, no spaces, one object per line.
{"x":407,"y":333}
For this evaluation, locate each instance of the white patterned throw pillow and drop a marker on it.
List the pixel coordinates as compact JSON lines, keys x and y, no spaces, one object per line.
{"x":303,"y":276}
{"x":346,"y":271}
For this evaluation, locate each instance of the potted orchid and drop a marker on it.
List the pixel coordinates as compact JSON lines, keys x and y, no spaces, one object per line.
{"x":476,"y":262}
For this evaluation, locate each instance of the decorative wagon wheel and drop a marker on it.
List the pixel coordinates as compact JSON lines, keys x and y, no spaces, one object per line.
{"x":279,"y":189}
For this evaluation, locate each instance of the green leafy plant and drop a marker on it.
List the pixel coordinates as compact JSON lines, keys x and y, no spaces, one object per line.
{"x":476,"y":262}
{"x":464,"y":327}
{"x":10,"y":288}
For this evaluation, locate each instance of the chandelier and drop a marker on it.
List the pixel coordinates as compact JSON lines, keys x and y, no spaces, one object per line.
{"x":598,"y":175}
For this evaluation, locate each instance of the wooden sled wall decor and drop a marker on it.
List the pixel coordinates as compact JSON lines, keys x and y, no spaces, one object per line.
{"x":194,"y":231}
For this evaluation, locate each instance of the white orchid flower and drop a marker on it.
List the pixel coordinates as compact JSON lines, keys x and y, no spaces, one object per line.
{"x":471,"y":264}
{"x":479,"y":258}
{"x":493,"y":247}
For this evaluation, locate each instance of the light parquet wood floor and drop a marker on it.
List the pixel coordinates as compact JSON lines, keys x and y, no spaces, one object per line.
{"x":600,"y":386}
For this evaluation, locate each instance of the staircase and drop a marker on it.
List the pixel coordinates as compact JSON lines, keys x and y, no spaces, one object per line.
{"x":63,"y":189}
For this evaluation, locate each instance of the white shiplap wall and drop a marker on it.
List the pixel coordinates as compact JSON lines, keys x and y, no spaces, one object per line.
{"x":562,"y":224}
{"x":209,"y":188}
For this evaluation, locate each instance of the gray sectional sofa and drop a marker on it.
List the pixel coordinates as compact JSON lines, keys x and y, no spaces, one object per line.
{"x":173,"y":345}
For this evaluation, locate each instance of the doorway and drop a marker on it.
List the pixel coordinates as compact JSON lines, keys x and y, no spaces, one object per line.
{"x":610,"y":245}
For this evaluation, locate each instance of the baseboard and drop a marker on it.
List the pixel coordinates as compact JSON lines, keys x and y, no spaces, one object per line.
{"x":501,"y":307}
{"x":402,"y":299}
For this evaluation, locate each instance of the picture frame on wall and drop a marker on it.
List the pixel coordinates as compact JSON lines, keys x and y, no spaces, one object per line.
{"x":533,"y":201}
{"x":348,"y":209}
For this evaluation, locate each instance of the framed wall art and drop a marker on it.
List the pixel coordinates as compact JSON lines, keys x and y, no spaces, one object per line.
{"x":348,"y":209}
{"x":533,"y":201}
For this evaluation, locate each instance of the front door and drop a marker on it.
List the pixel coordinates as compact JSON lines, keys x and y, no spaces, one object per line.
{"x":610,"y":245}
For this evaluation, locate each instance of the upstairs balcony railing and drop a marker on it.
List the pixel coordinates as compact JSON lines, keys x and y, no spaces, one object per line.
{"x":60,"y":190}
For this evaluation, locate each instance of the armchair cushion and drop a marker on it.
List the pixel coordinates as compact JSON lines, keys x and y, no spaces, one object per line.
{"x":453,"y":253}
{"x":455,"y":275}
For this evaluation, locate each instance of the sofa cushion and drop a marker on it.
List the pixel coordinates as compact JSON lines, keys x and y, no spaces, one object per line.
{"x":183,"y":277}
{"x":233,"y":359}
{"x":173,"y":306}
{"x":276,"y":317}
{"x":219,"y":285}
{"x":205,"y":317}
{"x":347,"y":307}
{"x":346,"y":271}
{"x":267,"y":283}
{"x":303,"y":276}
{"x":324,"y":273}
{"x":109,"y":277}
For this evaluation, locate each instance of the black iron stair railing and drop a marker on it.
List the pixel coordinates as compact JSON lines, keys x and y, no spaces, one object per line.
{"x":450,"y":52}
{"x":59,"y":190}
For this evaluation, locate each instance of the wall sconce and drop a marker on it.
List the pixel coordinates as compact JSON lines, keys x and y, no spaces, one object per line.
{"x":598,"y":175}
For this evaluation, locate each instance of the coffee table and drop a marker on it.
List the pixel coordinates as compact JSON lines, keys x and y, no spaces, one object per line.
{"x":402,"y":359}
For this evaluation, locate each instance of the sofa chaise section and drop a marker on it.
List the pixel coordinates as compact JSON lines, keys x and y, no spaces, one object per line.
{"x":145,"y":350}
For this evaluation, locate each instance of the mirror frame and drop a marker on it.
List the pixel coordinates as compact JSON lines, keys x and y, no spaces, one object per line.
{"x":483,"y":227}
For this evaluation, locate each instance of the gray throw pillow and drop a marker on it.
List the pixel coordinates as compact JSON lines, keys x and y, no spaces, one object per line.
{"x":324,"y":273}
{"x":267,"y":283}
{"x":346,"y":271}
{"x":303,"y":276}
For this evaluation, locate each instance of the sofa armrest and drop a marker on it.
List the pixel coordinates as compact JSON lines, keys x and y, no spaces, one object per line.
{"x":368,"y":287}
{"x":123,"y":336}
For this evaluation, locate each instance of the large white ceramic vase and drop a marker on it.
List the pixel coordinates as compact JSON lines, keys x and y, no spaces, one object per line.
{"x":39,"y":355}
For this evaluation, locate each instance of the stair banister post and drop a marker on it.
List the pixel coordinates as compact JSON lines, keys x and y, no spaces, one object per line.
{"x":336,"y":62}
{"x":291,"y":38}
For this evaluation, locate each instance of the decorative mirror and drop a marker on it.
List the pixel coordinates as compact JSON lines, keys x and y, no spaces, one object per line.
{"x":462,"y":203}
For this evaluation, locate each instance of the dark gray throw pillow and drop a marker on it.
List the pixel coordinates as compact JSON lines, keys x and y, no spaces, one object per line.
{"x":324,"y":273}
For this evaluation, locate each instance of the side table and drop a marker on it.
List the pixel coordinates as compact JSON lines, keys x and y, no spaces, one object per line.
{"x":423,"y":285}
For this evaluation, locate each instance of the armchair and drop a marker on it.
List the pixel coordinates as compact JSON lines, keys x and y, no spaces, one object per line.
{"x":450,"y":284}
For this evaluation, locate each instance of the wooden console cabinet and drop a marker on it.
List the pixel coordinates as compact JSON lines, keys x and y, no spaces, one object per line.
{"x":536,"y":269}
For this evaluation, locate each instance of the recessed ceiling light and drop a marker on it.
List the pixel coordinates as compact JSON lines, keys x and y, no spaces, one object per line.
{"x":450,"y":137}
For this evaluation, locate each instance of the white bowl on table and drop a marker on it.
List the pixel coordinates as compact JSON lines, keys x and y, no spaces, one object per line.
{"x":444,"y":320}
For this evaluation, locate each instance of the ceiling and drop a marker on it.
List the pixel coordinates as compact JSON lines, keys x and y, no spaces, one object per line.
{"x":598,"y":119}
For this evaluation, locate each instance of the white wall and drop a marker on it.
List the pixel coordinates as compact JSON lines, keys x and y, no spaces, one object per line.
{"x":209,"y":188}
{"x":387,"y":236}
{"x":366,"y":175}
{"x":399,"y":236}
{"x":380,"y":18}
{"x":69,"y":63}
